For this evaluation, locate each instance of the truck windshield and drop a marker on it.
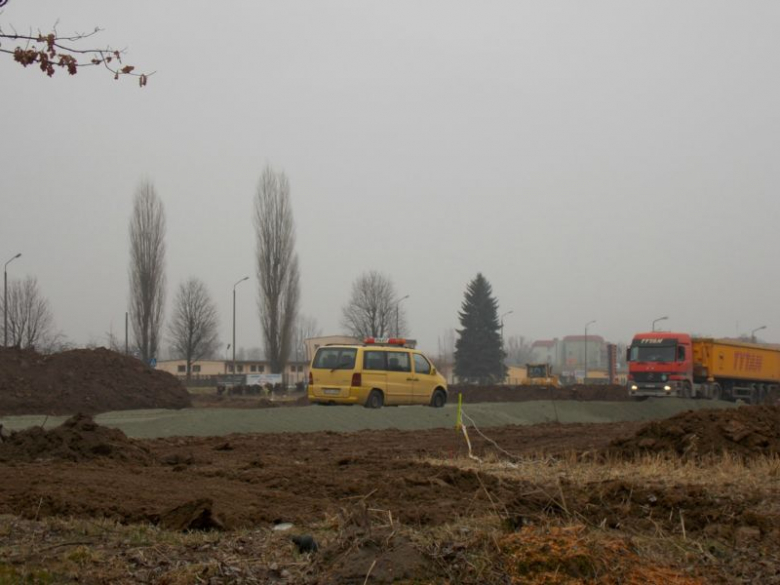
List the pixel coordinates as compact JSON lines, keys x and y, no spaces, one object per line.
{"x":657,"y":353}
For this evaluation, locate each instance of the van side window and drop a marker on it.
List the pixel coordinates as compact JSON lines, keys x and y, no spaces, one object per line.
{"x":398,"y":362}
{"x":374,"y":360}
{"x":421,"y":365}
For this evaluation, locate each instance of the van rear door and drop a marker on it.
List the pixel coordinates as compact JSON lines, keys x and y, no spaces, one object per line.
{"x":332,"y":370}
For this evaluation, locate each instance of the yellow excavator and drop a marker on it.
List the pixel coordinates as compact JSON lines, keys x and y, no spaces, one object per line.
{"x":540,"y":375}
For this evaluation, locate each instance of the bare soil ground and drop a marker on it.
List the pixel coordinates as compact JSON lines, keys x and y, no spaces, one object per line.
{"x":543,"y":504}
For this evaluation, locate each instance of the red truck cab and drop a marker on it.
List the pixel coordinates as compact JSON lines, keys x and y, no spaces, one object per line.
{"x":660,"y":364}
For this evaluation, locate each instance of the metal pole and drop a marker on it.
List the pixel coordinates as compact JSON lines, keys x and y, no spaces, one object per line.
{"x":234,"y":321}
{"x":234,"y":330}
{"x":753,"y":333}
{"x":657,"y":320}
{"x":502,"y":326}
{"x":5,"y":299}
{"x":5,"y":307}
{"x":126,"y":344}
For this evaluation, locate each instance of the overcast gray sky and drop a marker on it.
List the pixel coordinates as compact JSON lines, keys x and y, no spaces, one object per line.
{"x":614,"y":161}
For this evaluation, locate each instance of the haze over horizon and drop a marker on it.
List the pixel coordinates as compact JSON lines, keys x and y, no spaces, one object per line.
{"x":604,"y":161}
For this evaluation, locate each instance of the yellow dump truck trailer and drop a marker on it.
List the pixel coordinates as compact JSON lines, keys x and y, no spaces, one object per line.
{"x":741,"y":368}
{"x":676,"y":364}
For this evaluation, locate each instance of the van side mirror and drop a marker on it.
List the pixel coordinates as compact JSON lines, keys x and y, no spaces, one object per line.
{"x":433,"y":371}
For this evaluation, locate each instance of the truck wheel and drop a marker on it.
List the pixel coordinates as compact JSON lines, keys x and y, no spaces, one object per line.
{"x":375,"y":400}
{"x":438,"y":399}
{"x":717,"y":392}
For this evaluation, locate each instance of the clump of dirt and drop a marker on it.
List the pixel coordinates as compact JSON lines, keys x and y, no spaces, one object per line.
{"x":573,"y":555}
{"x":747,"y":431}
{"x":605,"y":392}
{"x":195,"y":515}
{"x":369,"y":549}
{"x":83,"y":380}
{"x":77,"y":439}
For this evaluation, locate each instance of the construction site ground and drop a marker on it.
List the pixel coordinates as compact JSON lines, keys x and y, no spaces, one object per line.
{"x":543,"y":503}
{"x":540,"y":485}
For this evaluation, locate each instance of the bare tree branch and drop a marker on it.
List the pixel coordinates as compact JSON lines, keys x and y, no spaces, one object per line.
{"x":373,"y":309}
{"x":305,"y":328}
{"x":193,"y":328}
{"x":49,"y":51}
{"x":277,"y":266}
{"x":147,"y":270}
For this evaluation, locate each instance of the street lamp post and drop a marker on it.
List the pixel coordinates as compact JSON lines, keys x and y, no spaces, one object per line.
{"x":397,"y":315}
{"x":502,"y":326}
{"x":657,"y":320}
{"x":5,"y":299}
{"x":234,"y":321}
{"x":753,"y":333}
{"x":585,"y":375}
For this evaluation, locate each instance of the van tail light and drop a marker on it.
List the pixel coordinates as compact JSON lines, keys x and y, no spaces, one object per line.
{"x":357,"y":379}
{"x":311,"y":379}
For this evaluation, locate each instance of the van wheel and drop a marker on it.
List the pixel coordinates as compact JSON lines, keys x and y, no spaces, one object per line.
{"x":438,"y":399}
{"x":375,"y":399}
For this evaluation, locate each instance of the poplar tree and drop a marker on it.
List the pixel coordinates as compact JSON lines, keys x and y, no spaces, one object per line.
{"x":479,"y":355}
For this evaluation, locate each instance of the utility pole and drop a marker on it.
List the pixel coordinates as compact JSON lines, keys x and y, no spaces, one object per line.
{"x":234,"y":321}
{"x":5,"y":299}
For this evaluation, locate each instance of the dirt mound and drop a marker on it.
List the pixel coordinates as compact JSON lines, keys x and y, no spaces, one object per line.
{"x":612,"y":392}
{"x":78,"y":439}
{"x":746,"y":431}
{"x":83,"y":380}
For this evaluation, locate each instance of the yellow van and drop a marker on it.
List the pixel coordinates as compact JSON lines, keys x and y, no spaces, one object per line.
{"x":374,"y":373}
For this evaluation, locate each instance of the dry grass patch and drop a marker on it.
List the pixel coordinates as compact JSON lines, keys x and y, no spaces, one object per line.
{"x":725,"y":473}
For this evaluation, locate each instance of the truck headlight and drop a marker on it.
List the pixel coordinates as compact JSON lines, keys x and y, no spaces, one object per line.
{"x":634,"y":387}
{"x":668,"y":388}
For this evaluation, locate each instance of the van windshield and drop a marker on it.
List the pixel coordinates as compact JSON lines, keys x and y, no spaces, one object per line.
{"x":335,"y":358}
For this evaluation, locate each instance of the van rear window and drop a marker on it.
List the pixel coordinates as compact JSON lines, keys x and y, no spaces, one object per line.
{"x":335,"y":358}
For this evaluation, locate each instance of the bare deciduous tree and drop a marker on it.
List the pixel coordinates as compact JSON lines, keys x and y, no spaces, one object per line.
{"x":277,"y":266}
{"x":193,"y":329}
{"x":51,"y":51}
{"x":30,"y":319}
{"x":147,"y":270}
{"x":374,"y":309}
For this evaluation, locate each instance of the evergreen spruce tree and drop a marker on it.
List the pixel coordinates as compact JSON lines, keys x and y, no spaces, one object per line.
{"x":479,"y":353}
